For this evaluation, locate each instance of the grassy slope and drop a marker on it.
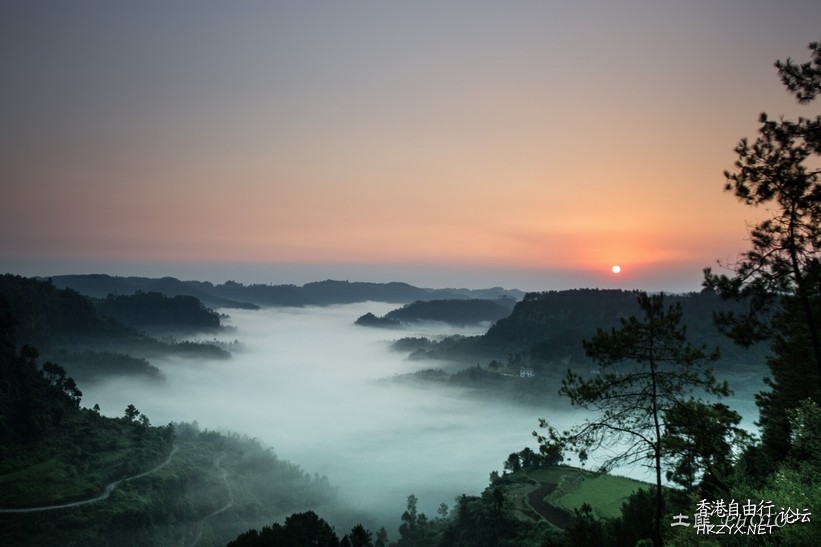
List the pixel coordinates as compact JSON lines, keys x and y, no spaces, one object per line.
{"x":77,"y":460}
{"x":604,"y":493}
{"x":169,"y":506}
{"x":570,"y":487}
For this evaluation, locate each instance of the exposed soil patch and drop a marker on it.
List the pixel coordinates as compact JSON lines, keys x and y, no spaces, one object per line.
{"x":555,"y":516}
{"x":528,"y":502}
{"x":518,"y":496}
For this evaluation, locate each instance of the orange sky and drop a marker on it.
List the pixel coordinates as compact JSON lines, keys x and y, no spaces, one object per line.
{"x":479,"y":137}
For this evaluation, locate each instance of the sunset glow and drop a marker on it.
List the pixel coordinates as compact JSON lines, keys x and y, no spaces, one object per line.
{"x":475,"y":137}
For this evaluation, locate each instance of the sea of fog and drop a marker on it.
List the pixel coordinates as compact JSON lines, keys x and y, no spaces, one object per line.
{"x":310,"y":384}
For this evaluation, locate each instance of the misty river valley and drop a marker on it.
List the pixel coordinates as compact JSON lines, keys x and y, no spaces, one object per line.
{"x":410,"y":274}
{"x":357,"y":416}
{"x":306,"y":382}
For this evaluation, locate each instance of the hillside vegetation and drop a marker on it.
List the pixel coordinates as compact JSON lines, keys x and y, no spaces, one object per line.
{"x":94,"y":338}
{"x":70,"y":476}
{"x":238,"y":295}
{"x":454,"y":311}
{"x":548,"y":328}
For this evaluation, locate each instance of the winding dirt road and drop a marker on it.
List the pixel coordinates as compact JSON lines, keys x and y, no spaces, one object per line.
{"x":106,"y":493}
{"x":528,"y":500}
{"x":554,"y":515}
{"x":228,"y":504}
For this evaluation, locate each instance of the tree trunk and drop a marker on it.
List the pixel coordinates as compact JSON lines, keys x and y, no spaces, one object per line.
{"x":657,"y":542}
{"x":806,"y":304}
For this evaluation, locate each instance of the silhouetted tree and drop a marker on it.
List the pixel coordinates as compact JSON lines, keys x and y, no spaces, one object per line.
{"x":513,"y":463}
{"x":632,"y":527}
{"x":699,"y":441}
{"x":57,"y":377}
{"x":360,"y":537}
{"x":530,"y":458}
{"x":308,"y":529}
{"x":646,"y":368}
{"x":550,"y":454}
{"x":587,"y":530}
{"x":409,"y":519}
{"x":131,"y":413}
{"x":777,"y":169}
{"x":779,"y":277}
{"x":381,"y":538}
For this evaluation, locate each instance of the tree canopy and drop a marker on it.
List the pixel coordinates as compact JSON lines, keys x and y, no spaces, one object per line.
{"x":779,"y":170}
{"x":647,"y":368}
{"x":779,"y":276}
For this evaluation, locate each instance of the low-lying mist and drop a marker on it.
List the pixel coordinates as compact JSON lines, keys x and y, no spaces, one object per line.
{"x":306,"y":381}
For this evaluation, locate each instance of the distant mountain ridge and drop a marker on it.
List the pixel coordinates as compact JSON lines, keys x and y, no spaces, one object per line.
{"x":461,"y":311}
{"x":237,"y":295}
{"x":101,"y":285}
{"x":99,"y":337}
{"x":550,"y":326}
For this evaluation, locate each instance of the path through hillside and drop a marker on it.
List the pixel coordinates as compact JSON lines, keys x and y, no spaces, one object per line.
{"x":228,"y":504}
{"x":558,"y":517}
{"x":528,"y":500}
{"x":106,"y":493}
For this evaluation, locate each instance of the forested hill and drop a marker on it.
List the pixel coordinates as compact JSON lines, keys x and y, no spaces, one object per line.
{"x":237,"y":295}
{"x":71,"y":476}
{"x":92,"y":337}
{"x":472,"y":311}
{"x":44,"y":314}
{"x":101,"y":285}
{"x":550,"y":326}
{"x":154,"y":310}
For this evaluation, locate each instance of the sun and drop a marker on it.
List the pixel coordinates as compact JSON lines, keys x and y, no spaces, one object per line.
{"x":615,"y":269}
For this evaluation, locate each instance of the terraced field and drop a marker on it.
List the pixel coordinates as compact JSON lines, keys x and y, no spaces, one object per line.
{"x":553,"y":493}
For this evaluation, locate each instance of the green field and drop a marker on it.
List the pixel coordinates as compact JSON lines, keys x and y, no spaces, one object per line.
{"x":603,"y":492}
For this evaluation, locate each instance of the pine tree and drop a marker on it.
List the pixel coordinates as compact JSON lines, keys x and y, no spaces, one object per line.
{"x":779,"y":277}
{"x":646,"y":368}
